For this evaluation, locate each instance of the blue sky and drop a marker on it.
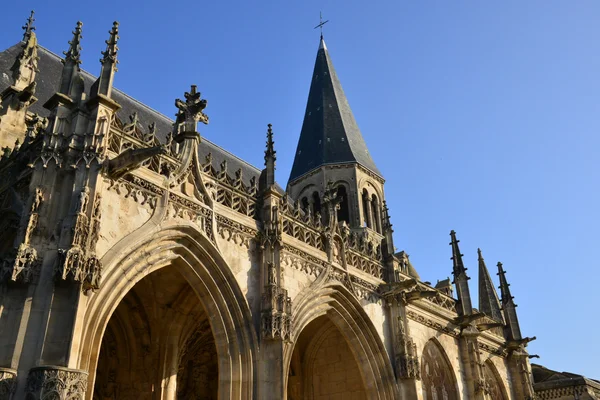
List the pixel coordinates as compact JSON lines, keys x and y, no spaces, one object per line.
{"x":482,"y":116}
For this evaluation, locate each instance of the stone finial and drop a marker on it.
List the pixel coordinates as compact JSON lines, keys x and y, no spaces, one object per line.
{"x":387,"y":224}
{"x":513,"y":329}
{"x":504,"y":286}
{"x":104,"y":85}
{"x":73,"y":55}
{"x":461,"y":280}
{"x":25,"y":65}
{"x":28,"y":27}
{"x":270,"y":157}
{"x":270,"y":151}
{"x":190,"y":112}
{"x":110,"y":54}
{"x":458,"y":266}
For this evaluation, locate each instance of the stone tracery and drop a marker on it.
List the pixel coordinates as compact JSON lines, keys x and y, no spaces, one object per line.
{"x":438,"y":380}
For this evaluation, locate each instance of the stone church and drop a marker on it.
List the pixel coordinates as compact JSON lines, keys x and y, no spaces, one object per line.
{"x":141,"y":261}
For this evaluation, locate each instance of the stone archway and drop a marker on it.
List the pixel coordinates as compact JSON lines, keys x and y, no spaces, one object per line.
{"x":332,"y":314}
{"x":158,"y":344}
{"x":438,"y":380}
{"x":179,"y":248}
{"x":323,"y":365}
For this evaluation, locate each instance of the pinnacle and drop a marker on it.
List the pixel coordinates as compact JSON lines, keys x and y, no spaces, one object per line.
{"x":110,"y":54}
{"x":28,"y":27}
{"x":74,"y":52}
{"x":270,"y":151}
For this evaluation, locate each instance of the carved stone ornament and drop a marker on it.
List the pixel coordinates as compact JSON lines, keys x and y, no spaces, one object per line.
{"x":190,"y":111}
{"x":74,"y":265}
{"x":56,"y":383}
{"x":22,"y":268}
{"x":8,"y":383}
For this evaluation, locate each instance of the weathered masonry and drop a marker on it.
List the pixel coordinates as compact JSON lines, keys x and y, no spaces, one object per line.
{"x":141,"y":261}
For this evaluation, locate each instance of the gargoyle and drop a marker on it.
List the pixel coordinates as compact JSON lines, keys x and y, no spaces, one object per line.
{"x":488,"y":325}
{"x":420,"y":294}
{"x":131,"y":159}
{"x":467,"y":319}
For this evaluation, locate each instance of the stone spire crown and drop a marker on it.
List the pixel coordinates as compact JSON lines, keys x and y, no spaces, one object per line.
{"x":110,"y":54}
{"x":73,"y":55}
{"x":270,"y":157}
{"x":104,"y":84}
{"x":26,"y":63}
{"x":509,"y":307}
{"x":488,"y":298}
{"x":461,"y":280}
{"x":329,"y":132}
{"x":28,"y":27}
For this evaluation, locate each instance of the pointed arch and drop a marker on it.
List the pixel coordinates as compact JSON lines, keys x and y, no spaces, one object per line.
{"x":338,"y":304}
{"x":182,"y":246}
{"x":493,"y":382}
{"x":437,"y":376}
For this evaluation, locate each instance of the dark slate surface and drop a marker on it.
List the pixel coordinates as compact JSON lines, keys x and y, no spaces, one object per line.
{"x":48,"y":77}
{"x":329,"y":132}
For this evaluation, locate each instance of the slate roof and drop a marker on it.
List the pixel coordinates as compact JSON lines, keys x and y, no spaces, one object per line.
{"x":48,"y":77}
{"x":545,"y":378}
{"x":329,"y":132}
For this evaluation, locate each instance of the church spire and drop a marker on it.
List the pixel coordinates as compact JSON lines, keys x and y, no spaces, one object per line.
{"x":488,"y":298}
{"x":104,"y":84}
{"x":329,"y":132}
{"x":461,"y":280}
{"x":509,"y":307}
{"x":270,"y":157}
{"x":71,"y":61}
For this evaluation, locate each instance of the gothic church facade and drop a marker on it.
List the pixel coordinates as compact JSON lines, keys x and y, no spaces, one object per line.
{"x":141,"y":261}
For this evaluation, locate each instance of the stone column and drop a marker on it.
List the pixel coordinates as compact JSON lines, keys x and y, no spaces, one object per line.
{"x":471,"y":362}
{"x":368,"y":213}
{"x":405,"y":359}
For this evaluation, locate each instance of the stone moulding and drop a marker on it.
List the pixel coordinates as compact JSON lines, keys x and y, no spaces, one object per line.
{"x":232,"y":230}
{"x":56,"y":383}
{"x":432,"y":324}
{"x":8,"y":383}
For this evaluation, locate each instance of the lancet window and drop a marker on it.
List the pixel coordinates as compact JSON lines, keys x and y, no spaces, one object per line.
{"x":438,"y":379}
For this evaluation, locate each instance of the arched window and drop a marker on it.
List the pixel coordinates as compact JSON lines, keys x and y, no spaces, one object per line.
{"x":376,"y":214}
{"x":316,"y":203}
{"x":343,"y":213}
{"x":493,"y":381}
{"x":437,"y":375}
{"x":366,"y":208}
{"x":304,"y":203}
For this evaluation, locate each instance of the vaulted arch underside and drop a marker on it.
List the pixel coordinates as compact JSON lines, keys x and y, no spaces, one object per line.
{"x":158,"y":344}
{"x":323,"y":366}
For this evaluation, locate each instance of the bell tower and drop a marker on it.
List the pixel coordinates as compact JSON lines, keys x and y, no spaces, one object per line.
{"x":331,"y":149}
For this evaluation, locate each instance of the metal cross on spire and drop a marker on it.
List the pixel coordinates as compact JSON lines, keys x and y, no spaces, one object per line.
{"x":321,"y":23}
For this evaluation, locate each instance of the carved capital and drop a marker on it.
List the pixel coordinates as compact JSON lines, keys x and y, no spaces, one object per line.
{"x":8,"y":383}
{"x":56,"y":383}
